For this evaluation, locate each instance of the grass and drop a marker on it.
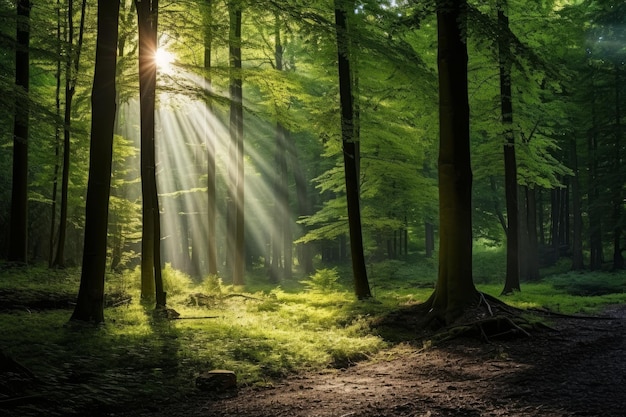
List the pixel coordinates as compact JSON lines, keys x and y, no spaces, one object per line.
{"x":313,"y":324}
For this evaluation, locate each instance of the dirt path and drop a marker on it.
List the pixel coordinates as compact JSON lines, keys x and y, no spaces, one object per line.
{"x":578,"y":371}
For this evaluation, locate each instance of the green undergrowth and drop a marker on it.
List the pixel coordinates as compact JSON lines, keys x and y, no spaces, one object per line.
{"x":568,"y":293}
{"x":263,"y":334}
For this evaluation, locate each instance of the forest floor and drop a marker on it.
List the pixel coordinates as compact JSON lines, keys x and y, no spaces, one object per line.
{"x":579,"y":369}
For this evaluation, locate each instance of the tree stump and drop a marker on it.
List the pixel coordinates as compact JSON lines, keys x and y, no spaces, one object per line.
{"x":217,"y":380}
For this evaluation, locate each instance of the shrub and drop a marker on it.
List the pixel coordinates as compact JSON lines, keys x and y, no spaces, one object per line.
{"x":323,"y":280}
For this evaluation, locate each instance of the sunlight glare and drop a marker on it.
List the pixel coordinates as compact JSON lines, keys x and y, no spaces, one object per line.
{"x":164,"y":60}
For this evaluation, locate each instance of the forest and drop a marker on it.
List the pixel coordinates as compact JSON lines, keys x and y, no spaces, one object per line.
{"x":204,"y":196}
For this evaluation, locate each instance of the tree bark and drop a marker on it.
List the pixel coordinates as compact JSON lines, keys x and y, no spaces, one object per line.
{"x":235,"y":238}
{"x":72,"y":63}
{"x":304,"y":250}
{"x":57,"y":141}
{"x":577,"y":241}
{"x":151,"y":279}
{"x":18,"y":229}
{"x":210,"y":146}
{"x":618,"y":183}
{"x":90,"y":301}
{"x":350,"y":152}
{"x":510,"y":165}
{"x":593,"y":194}
{"x":454,"y":290}
{"x":532,"y":258}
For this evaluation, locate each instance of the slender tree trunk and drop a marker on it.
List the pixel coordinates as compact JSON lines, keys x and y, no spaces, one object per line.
{"x":151,"y":279}
{"x":577,"y":242}
{"x":72,"y":63}
{"x":210,"y":146}
{"x":454,"y":290}
{"x":305,"y":254}
{"x":57,"y":140}
{"x":618,"y":183}
{"x":236,"y":215}
{"x":350,"y":149}
{"x":524,"y":239}
{"x":540,"y":217}
{"x":593,"y":197}
{"x":510,"y":165}
{"x":283,"y":223}
{"x":90,"y":301}
{"x":18,"y":229}
{"x":531,"y":224}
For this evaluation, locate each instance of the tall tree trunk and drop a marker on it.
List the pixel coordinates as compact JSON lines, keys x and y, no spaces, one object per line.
{"x":524,"y":239}
{"x":236,"y":244}
{"x":555,"y":219}
{"x":57,"y":141}
{"x":151,"y":279}
{"x":618,"y":183}
{"x":454,"y":290}
{"x":593,"y":194}
{"x":72,"y":63}
{"x":510,"y":165}
{"x":304,"y":250}
{"x":283,"y":223}
{"x":90,"y":301}
{"x":210,"y":145}
{"x":540,"y":217}
{"x":350,"y":149}
{"x":577,"y":241}
{"x":532,"y":258}
{"x":18,"y":229}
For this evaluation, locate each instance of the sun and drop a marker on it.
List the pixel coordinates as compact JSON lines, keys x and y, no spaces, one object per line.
{"x":164,"y":60}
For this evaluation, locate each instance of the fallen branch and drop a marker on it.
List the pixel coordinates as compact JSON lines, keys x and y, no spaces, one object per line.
{"x":248,"y":297}
{"x":197,"y":318}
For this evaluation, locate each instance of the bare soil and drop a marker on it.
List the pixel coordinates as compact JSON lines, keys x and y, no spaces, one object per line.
{"x":577,"y":370}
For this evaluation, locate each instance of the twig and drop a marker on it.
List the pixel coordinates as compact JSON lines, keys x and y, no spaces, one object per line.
{"x":243,"y":296}
{"x":120,"y":302}
{"x":196,"y":318}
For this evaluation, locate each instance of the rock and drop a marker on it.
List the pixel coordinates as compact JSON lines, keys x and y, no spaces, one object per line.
{"x":217,"y":380}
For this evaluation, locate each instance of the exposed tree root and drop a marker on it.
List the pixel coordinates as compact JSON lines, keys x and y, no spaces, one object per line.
{"x":488,"y":318}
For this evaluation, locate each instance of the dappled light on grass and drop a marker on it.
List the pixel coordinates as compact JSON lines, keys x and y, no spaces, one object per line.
{"x":137,"y":357}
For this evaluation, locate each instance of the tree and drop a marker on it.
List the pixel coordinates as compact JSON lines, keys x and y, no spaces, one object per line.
{"x":72,"y":61}
{"x":90,"y":301}
{"x":510,"y":165}
{"x":454,"y":290}
{"x":210,"y":144}
{"x":235,"y":167}
{"x":350,"y":152}
{"x":151,"y":274}
{"x":18,"y":249}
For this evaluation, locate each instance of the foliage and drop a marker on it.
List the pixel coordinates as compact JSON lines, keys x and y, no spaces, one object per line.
{"x":323,"y":280}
